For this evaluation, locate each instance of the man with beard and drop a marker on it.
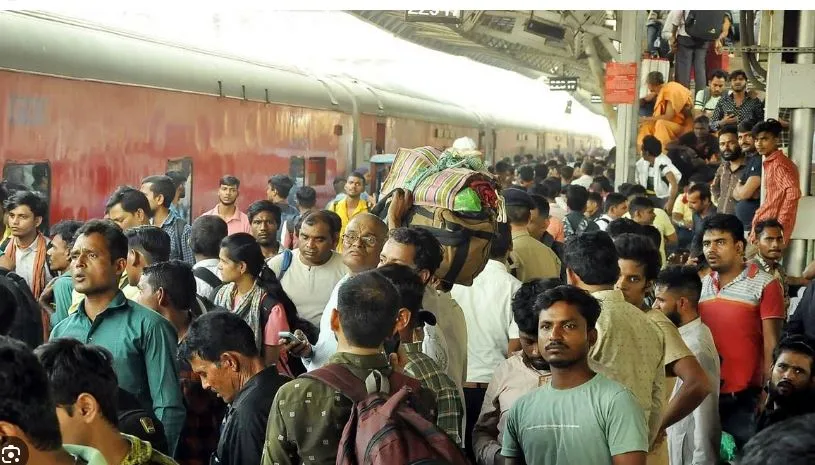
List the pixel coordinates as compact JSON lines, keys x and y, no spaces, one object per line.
{"x":700,"y":140}
{"x":699,"y":200}
{"x":264,"y":219}
{"x":738,"y":106}
{"x":160,"y":192}
{"x":352,"y":205}
{"x":519,"y":374}
{"x":228,"y":193}
{"x":729,"y":172}
{"x":180,"y":180}
{"x":579,"y":416}
{"x":769,"y":240}
{"x":743,"y":306}
{"x":747,"y":191}
{"x":791,"y":383}
{"x":695,"y":438}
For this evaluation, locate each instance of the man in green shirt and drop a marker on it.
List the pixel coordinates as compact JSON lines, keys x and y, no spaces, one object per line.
{"x":142,"y":342}
{"x":84,"y":388}
{"x":580,"y":417}
{"x":29,"y":429}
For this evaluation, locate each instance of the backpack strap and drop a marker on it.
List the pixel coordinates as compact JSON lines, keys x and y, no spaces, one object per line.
{"x":284,"y":267}
{"x":341,"y":379}
{"x":207,"y":276}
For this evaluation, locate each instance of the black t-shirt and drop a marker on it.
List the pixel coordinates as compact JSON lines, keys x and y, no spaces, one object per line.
{"x":746,"y":209}
{"x":244,"y":427}
{"x":704,"y":148}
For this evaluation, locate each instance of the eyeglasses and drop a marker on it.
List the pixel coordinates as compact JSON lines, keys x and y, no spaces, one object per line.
{"x":352,"y":238}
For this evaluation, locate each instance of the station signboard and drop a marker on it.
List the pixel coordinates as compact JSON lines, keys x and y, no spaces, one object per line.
{"x":621,"y":83}
{"x":563,"y":83}
{"x":433,"y":16}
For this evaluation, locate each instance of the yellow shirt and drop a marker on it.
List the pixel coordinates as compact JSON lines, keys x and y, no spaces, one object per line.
{"x":682,"y":207}
{"x":340,"y":207}
{"x":665,"y":226}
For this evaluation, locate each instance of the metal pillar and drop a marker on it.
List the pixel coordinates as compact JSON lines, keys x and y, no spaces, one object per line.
{"x":631,"y":24}
{"x":801,"y":132}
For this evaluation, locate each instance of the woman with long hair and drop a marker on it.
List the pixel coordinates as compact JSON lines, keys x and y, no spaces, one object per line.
{"x":252,"y":291}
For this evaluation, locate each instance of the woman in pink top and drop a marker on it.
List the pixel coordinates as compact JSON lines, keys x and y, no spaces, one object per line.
{"x":252,"y":291}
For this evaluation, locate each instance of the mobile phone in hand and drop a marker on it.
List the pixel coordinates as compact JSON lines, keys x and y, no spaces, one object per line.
{"x":288,"y":336}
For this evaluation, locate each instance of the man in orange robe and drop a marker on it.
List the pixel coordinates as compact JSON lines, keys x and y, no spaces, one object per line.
{"x":673,"y":111}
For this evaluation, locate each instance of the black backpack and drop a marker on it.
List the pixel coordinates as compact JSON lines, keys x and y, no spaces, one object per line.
{"x":704,"y":25}
{"x":136,"y":420}
{"x":31,"y":322}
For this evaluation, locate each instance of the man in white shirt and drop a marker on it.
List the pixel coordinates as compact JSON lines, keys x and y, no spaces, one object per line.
{"x":491,"y":329}
{"x":695,"y":438}
{"x":707,"y":98}
{"x":586,"y":178}
{"x":206,"y":235}
{"x":309,"y":273}
{"x":25,"y":252}
{"x":657,"y":173}
{"x":614,"y":207}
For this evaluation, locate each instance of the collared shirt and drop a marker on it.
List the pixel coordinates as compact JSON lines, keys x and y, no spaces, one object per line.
{"x":777,"y":271}
{"x":723,"y":184}
{"x":511,"y":380}
{"x":203,"y":288}
{"x":63,"y":288}
{"x":450,"y":321}
{"x":307,"y":417}
{"x":236,"y":223}
{"x":782,"y":192}
{"x":180,"y":248}
{"x":488,"y":313}
{"x":449,"y":404}
{"x":675,"y":347}
{"x":532,"y":259}
{"x":142,"y":453}
{"x":309,"y":287}
{"x":630,"y":349}
{"x":25,"y":261}
{"x":695,"y":439}
{"x":647,"y":173}
{"x":130,"y":292}
{"x":603,"y":221}
{"x":244,"y":427}
{"x":734,"y":314}
{"x":751,"y":110}
{"x":143,"y":345}
{"x":205,"y":412}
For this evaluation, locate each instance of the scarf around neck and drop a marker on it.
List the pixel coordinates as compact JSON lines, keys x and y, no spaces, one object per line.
{"x":38,"y":280}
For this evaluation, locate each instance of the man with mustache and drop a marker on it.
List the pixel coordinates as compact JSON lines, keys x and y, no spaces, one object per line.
{"x":514,"y":377}
{"x":227,"y":208}
{"x":791,"y":383}
{"x":729,"y":172}
{"x":579,"y":416}
{"x":769,"y":240}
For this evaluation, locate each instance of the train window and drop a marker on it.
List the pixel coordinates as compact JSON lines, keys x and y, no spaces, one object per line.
{"x":35,"y":177}
{"x":184,"y":165}
{"x":315,"y":171}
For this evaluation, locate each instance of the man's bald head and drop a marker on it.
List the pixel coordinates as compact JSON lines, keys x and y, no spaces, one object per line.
{"x":363,"y":240}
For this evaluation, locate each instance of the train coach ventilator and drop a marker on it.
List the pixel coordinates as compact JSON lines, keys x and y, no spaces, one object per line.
{"x":450,"y":194}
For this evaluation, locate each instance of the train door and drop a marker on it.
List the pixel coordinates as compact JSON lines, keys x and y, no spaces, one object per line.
{"x":184,"y":165}
{"x":34,"y":177}
{"x":381,"y":133}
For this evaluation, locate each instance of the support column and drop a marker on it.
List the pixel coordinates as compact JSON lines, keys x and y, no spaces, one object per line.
{"x":800,"y":151}
{"x":631,"y":25}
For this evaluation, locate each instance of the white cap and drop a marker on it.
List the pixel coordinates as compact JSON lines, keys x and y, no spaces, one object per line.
{"x":464,"y":144}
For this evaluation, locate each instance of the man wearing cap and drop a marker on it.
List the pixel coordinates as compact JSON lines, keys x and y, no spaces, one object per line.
{"x":530,"y":259}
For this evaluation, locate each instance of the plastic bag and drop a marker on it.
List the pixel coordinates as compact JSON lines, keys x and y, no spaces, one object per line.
{"x":467,"y":201}
{"x":727,"y":451}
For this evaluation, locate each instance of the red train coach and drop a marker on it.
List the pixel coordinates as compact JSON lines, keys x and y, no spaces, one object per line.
{"x":84,"y":110}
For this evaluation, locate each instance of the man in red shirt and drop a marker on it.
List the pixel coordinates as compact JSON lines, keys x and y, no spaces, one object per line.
{"x":781,"y":179}
{"x":744,"y":308}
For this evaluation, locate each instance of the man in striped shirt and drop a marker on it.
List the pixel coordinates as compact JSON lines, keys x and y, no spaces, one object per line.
{"x":781,"y":179}
{"x":743,"y":306}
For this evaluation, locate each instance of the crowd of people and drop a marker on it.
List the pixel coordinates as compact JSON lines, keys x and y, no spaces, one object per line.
{"x":624,"y":326}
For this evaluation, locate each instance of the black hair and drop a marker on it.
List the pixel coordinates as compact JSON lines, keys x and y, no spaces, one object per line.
{"x":612,"y":200}
{"x":523,"y":303}
{"x":587,"y":305}
{"x":702,"y":189}
{"x":641,"y":249}
{"x":746,"y":126}
{"x":428,"y":251}
{"x":772,"y":126}
{"x":593,"y":258}
{"x":282,"y":184}
{"x":797,"y":343}
{"x":339,"y":184}
{"x":264,"y":206}
{"x":526,"y":173}
{"x":215,"y":333}
{"x":725,"y":223}
{"x":636,"y":189}
{"x":542,"y":170}
{"x":639,"y":203}
{"x":729,"y":129}
{"x":566,"y":172}
{"x":358,"y":175}
{"x":597,"y":198}
{"x":652,"y":146}
{"x":551,"y":188}
{"x":768,"y":223}
{"x":682,"y":279}
{"x":518,"y":214}
{"x":150,"y":241}
{"x":177,"y":280}
{"x":25,"y":396}
{"x":718,"y":73}
{"x":335,"y":218}
{"x":230,"y":181}
{"x":587,"y":167}
{"x":790,"y":442}
{"x":541,"y":204}
{"x":624,"y":188}
{"x":34,"y":202}
{"x":702,"y":119}
{"x":698,"y":178}
{"x":129,"y":199}
{"x":655,"y":78}
{"x":66,"y":229}
{"x":501,"y":242}
{"x":320,"y":216}
{"x":206,"y":235}
{"x":650,"y":232}
{"x":115,"y":240}
{"x":408,"y":284}
{"x":368,"y":304}
{"x":576,"y":197}
{"x":605,"y":183}
{"x":179,"y":177}
{"x":738,"y":73}
{"x":306,"y":197}
{"x":502,"y":167}
{"x":162,"y":185}
{"x":242,"y":247}
{"x":74,"y":368}
{"x":8,"y":308}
